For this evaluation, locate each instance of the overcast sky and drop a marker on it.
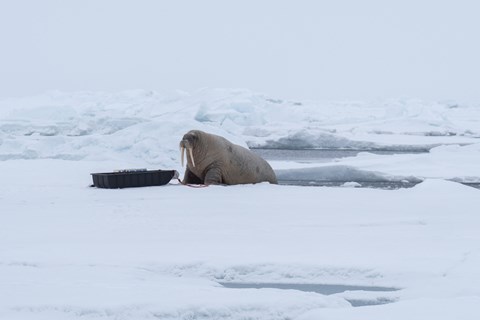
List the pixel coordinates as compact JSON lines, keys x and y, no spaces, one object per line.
{"x":357,"y":49}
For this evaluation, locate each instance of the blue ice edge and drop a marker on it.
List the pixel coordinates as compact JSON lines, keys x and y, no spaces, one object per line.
{"x":326,"y":289}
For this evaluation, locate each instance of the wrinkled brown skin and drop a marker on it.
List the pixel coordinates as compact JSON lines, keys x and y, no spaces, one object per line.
{"x":218,"y":161}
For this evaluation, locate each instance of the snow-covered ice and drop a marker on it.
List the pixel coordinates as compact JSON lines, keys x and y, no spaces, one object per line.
{"x":68,"y":251}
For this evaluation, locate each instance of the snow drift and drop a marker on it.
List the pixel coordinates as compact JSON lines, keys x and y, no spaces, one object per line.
{"x":68,"y":251}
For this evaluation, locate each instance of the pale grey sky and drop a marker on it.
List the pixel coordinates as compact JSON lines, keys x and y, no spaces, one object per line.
{"x":343,"y":49}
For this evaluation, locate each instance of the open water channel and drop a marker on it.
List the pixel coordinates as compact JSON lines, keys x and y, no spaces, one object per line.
{"x":326,"y":289}
{"x":328,"y":155}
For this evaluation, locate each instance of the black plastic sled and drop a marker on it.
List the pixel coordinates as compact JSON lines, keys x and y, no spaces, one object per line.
{"x":133,"y":178}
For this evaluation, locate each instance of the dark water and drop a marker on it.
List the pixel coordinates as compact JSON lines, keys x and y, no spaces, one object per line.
{"x":328,"y":155}
{"x":326,"y":289}
{"x":475,"y":185}
{"x":322,"y":155}
{"x":386,"y":185}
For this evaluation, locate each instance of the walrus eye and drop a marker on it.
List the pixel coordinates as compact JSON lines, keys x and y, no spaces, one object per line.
{"x":193,"y":137}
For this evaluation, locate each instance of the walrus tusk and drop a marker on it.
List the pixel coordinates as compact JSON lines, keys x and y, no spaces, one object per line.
{"x":182,"y":149}
{"x":191,"y":156}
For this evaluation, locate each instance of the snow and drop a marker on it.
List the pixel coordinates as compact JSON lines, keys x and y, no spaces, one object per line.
{"x":68,"y":251}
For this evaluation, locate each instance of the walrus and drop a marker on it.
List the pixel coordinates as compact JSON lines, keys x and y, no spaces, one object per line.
{"x":212,"y":159}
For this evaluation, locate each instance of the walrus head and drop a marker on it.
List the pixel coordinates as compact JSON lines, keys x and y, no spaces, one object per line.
{"x":188,"y":142}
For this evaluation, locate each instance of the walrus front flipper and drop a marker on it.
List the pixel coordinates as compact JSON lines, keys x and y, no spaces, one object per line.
{"x":213,"y":176}
{"x":190,"y":178}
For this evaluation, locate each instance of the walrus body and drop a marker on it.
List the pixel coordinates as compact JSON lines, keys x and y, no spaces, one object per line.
{"x":212,"y":159}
